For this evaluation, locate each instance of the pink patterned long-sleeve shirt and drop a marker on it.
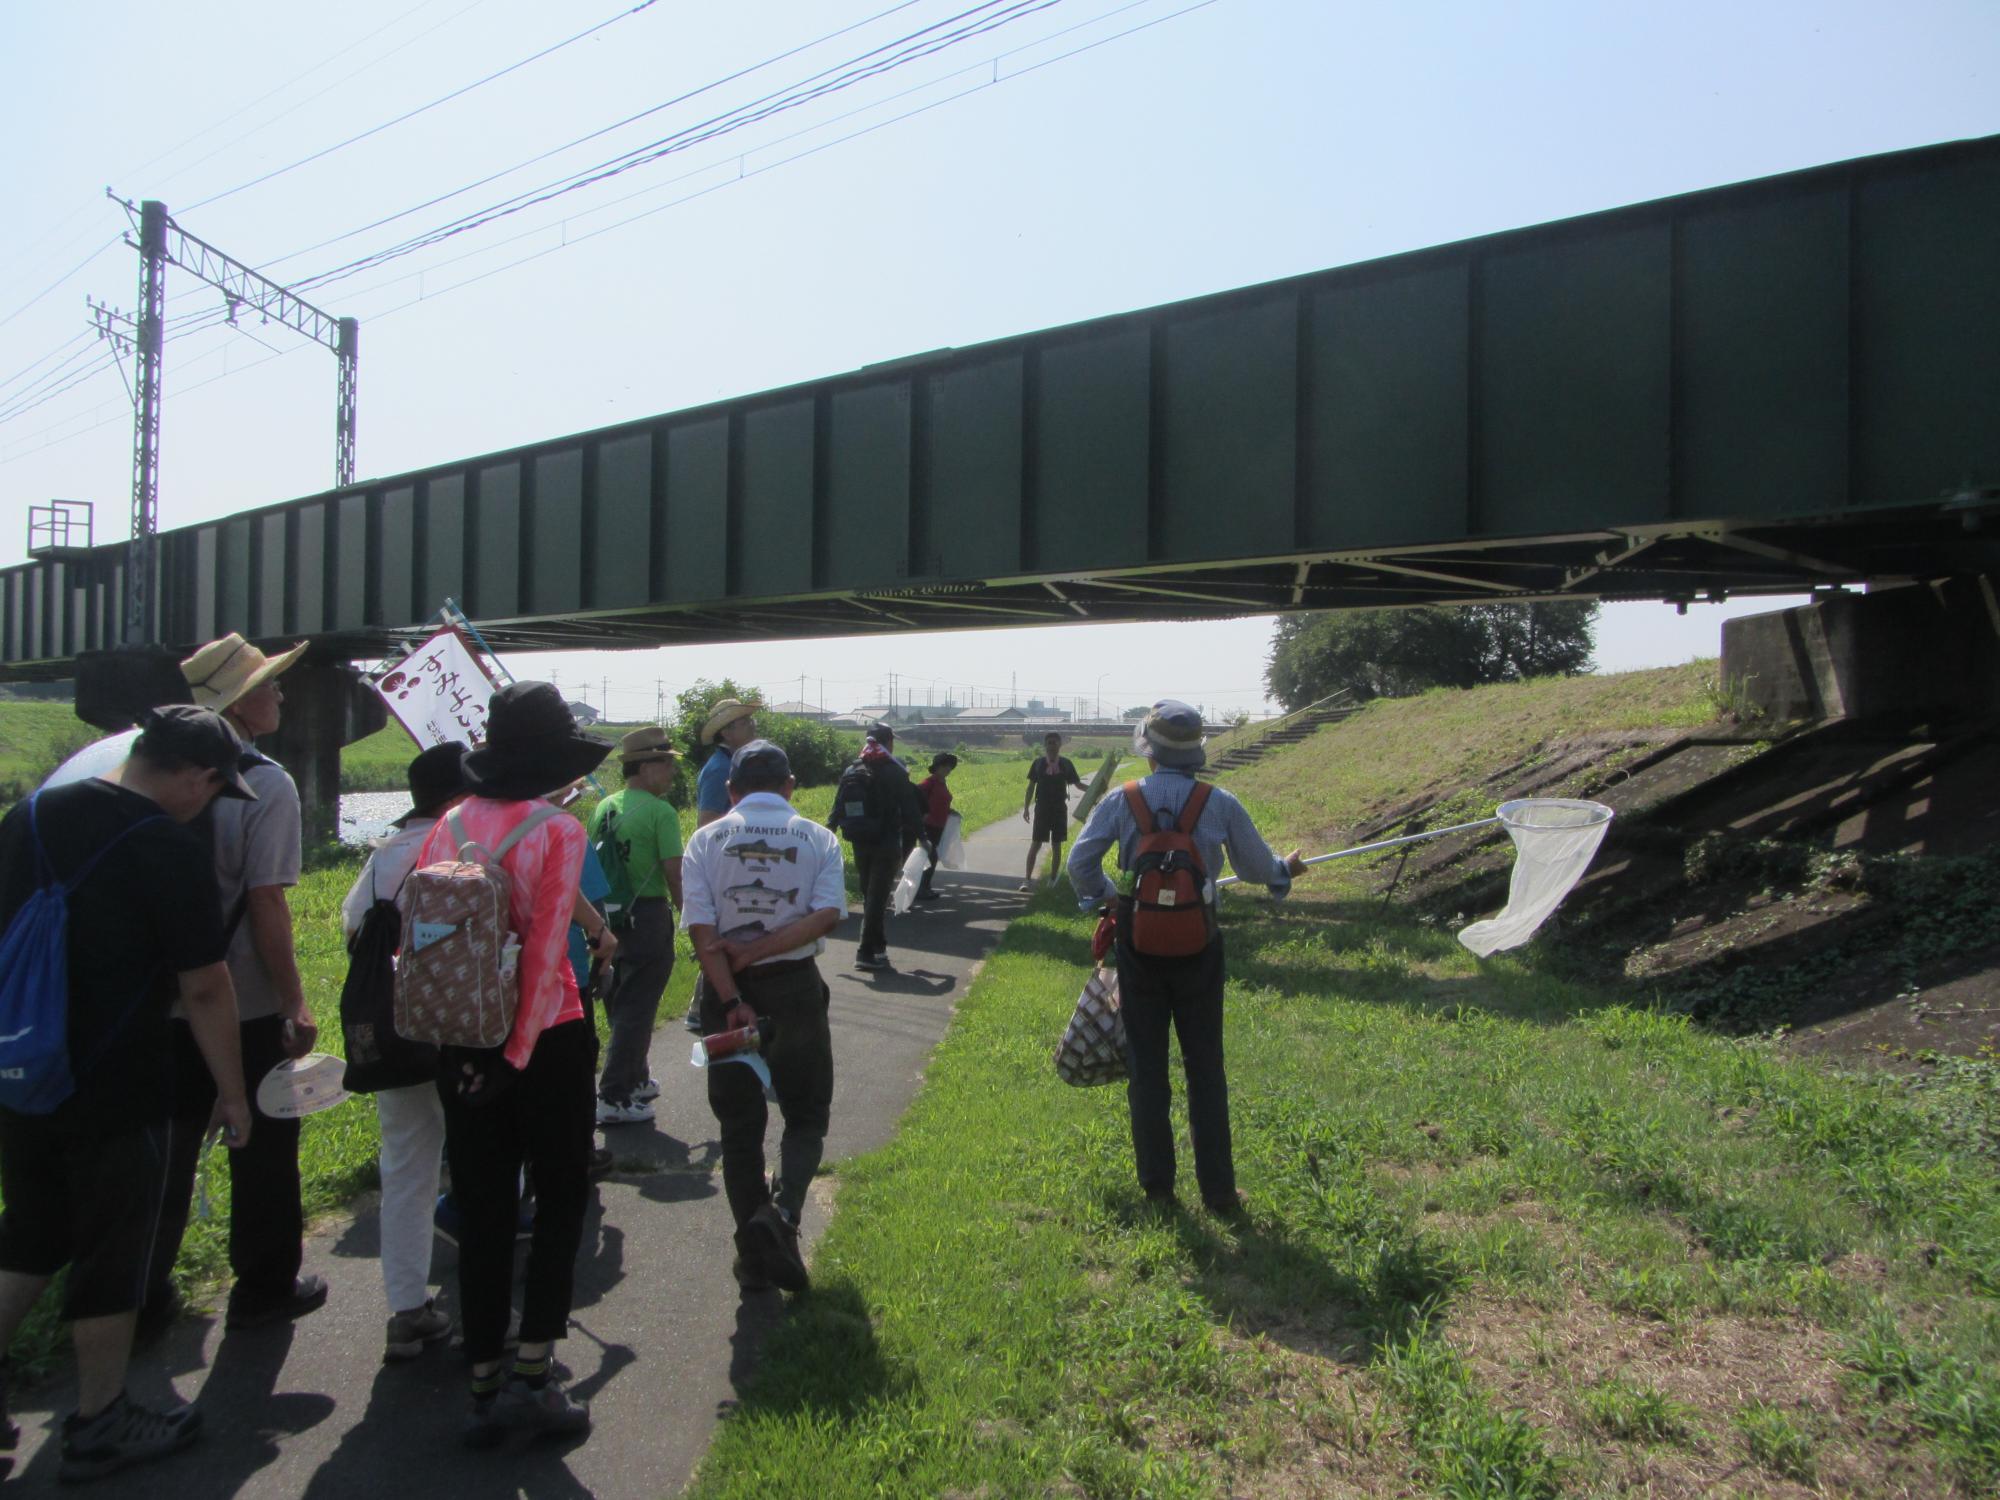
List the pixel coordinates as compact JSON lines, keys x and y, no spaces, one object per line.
{"x":546,"y":867}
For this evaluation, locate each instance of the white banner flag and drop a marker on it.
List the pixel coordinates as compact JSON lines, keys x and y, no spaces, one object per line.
{"x":439,"y":692}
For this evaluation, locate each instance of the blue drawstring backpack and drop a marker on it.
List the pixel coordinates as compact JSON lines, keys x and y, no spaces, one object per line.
{"x":35,"y":1074}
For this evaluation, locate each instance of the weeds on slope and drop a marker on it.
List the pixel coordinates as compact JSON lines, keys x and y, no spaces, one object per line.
{"x":1503,"y":1239}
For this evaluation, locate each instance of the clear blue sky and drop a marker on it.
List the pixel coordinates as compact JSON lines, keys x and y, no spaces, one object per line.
{"x":1242,"y":140}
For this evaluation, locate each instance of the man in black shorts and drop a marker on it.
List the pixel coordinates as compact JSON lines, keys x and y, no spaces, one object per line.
{"x":83,"y":1182}
{"x":1049,"y":779}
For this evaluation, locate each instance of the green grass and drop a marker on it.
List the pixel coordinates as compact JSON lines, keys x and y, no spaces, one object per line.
{"x":34,"y":739}
{"x":1398,"y":749}
{"x":1449,"y":1163}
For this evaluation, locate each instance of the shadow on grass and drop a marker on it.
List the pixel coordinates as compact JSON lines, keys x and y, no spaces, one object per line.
{"x":815,"y":1355}
{"x":1262,"y":1276}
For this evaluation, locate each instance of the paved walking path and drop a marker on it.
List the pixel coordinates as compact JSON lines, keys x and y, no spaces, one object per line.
{"x":661,"y":1334}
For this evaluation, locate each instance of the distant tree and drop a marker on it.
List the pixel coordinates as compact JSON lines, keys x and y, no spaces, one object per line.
{"x":1388,"y":653}
{"x":817,"y":751}
{"x":1135,"y":714}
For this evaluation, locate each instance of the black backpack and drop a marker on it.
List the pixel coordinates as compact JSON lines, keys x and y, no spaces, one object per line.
{"x":377,"y":1057}
{"x":857,"y":805}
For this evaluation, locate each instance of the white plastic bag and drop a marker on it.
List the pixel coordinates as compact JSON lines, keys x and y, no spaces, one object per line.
{"x":905,"y":895}
{"x":951,"y":844}
{"x":1554,"y":840}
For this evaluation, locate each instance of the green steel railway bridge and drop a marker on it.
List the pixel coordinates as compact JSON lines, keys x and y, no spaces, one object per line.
{"x":1772,"y":387}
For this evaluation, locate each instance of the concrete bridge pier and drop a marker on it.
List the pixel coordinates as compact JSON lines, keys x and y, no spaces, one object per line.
{"x":327,"y":705}
{"x":1919,"y":652}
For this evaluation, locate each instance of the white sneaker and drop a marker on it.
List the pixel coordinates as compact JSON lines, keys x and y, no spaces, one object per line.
{"x":646,"y":1092}
{"x":630,"y":1113}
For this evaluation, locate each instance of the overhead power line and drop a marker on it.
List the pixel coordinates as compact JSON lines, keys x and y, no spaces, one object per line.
{"x":411,"y":114}
{"x":844,"y":76}
{"x":339,"y":82}
{"x":199,"y":321}
{"x":980,"y":69}
{"x":521,"y":166}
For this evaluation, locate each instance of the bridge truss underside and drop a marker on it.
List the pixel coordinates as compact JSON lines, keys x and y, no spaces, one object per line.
{"x":1674,"y":565}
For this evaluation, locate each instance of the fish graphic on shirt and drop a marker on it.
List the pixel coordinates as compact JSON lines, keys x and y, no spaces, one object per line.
{"x":746,"y":932}
{"x":762,"y":852}
{"x":756,"y":896}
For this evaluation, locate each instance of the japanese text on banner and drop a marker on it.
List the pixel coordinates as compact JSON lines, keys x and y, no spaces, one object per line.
{"x":439,"y":692}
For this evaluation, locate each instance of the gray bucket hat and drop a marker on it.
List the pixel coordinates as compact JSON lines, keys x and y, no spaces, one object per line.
{"x":1172,"y":734}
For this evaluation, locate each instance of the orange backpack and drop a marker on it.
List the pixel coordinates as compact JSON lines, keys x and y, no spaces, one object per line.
{"x":1171,"y":917}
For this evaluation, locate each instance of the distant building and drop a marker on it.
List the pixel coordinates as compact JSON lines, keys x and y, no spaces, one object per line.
{"x":798,"y":710}
{"x":990,"y":715}
{"x":583,"y":713}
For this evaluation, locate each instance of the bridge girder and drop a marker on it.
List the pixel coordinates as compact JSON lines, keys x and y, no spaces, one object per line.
{"x":1765,"y":388}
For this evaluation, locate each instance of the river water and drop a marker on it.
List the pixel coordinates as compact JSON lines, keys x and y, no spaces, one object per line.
{"x":365,"y":816}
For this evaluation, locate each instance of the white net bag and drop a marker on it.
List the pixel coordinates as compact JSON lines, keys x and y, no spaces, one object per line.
{"x":905,"y":895}
{"x":951,"y":844}
{"x":1554,"y":841}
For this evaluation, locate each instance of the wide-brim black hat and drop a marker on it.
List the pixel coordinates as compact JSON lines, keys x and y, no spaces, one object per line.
{"x":532,"y":746}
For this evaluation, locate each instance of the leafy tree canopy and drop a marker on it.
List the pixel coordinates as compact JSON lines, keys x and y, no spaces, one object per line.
{"x":817,"y":752}
{"x":1388,"y":653}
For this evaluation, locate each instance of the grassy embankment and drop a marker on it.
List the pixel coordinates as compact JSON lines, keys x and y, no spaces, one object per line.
{"x":338,"y":1149}
{"x":1507,"y":1235}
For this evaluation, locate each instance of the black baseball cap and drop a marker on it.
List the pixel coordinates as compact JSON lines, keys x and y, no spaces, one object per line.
{"x":199,"y":736}
{"x":882,"y":732}
{"x":759,"y":760}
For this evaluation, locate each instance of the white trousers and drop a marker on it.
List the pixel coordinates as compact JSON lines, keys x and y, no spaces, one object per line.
{"x":412,"y":1149}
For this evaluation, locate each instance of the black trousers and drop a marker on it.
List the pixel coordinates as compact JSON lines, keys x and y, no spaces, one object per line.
{"x":544,"y":1122}
{"x":794,"y":999}
{"x":877,"y":870}
{"x":1182,"y":996}
{"x":266,"y":1220}
{"x":933,"y":836}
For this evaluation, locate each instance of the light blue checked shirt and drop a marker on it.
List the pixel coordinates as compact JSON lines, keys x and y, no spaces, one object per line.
{"x":1223,"y":823}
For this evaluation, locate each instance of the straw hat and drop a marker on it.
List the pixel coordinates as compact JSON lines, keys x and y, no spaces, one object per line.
{"x":725,"y":713}
{"x":223,"y":671}
{"x":650,"y":743}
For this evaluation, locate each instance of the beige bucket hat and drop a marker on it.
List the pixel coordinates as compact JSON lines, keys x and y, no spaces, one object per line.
{"x":223,"y":671}
{"x":727,"y":712}
{"x":650,"y":743}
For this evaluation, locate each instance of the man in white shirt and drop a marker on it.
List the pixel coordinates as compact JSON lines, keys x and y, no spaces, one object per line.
{"x":764,"y":886}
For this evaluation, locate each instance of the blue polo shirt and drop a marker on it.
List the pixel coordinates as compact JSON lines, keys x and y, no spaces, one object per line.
{"x":711,"y":788}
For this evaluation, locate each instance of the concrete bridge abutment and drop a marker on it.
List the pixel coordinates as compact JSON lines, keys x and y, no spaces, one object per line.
{"x":327,"y":706}
{"x":1920,"y":652}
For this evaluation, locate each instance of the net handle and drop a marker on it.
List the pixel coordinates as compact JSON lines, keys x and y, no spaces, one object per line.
{"x":1408,"y":838}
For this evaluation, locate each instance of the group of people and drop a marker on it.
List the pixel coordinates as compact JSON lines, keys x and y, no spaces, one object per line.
{"x":183,"y":993}
{"x":172,"y":848}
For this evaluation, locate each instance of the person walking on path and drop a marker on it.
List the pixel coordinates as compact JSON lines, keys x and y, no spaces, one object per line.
{"x":765,"y":885}
{"x":638,"y":837}
{"x":411,"y":1115}
{"x":730,"y":725}
{"x":875,"y":808}
{"x":1050,"y":777}
{"x":1182,"y":994}
{"x":257,"y":847}
{"x":529,"y":1101}
{"x":936,"y":797}
{"x":83,"y":1182}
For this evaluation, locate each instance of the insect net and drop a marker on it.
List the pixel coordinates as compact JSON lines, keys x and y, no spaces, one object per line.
{"x":1554,"y":841}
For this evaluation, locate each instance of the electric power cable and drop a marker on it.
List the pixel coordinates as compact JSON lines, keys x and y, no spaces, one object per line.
{"x":411,"y":114}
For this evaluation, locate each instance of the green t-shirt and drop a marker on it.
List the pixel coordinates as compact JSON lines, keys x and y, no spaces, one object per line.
{"x":633,"y":831}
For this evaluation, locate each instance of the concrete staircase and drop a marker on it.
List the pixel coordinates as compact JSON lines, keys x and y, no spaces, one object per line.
{"x":1293,"y":727}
